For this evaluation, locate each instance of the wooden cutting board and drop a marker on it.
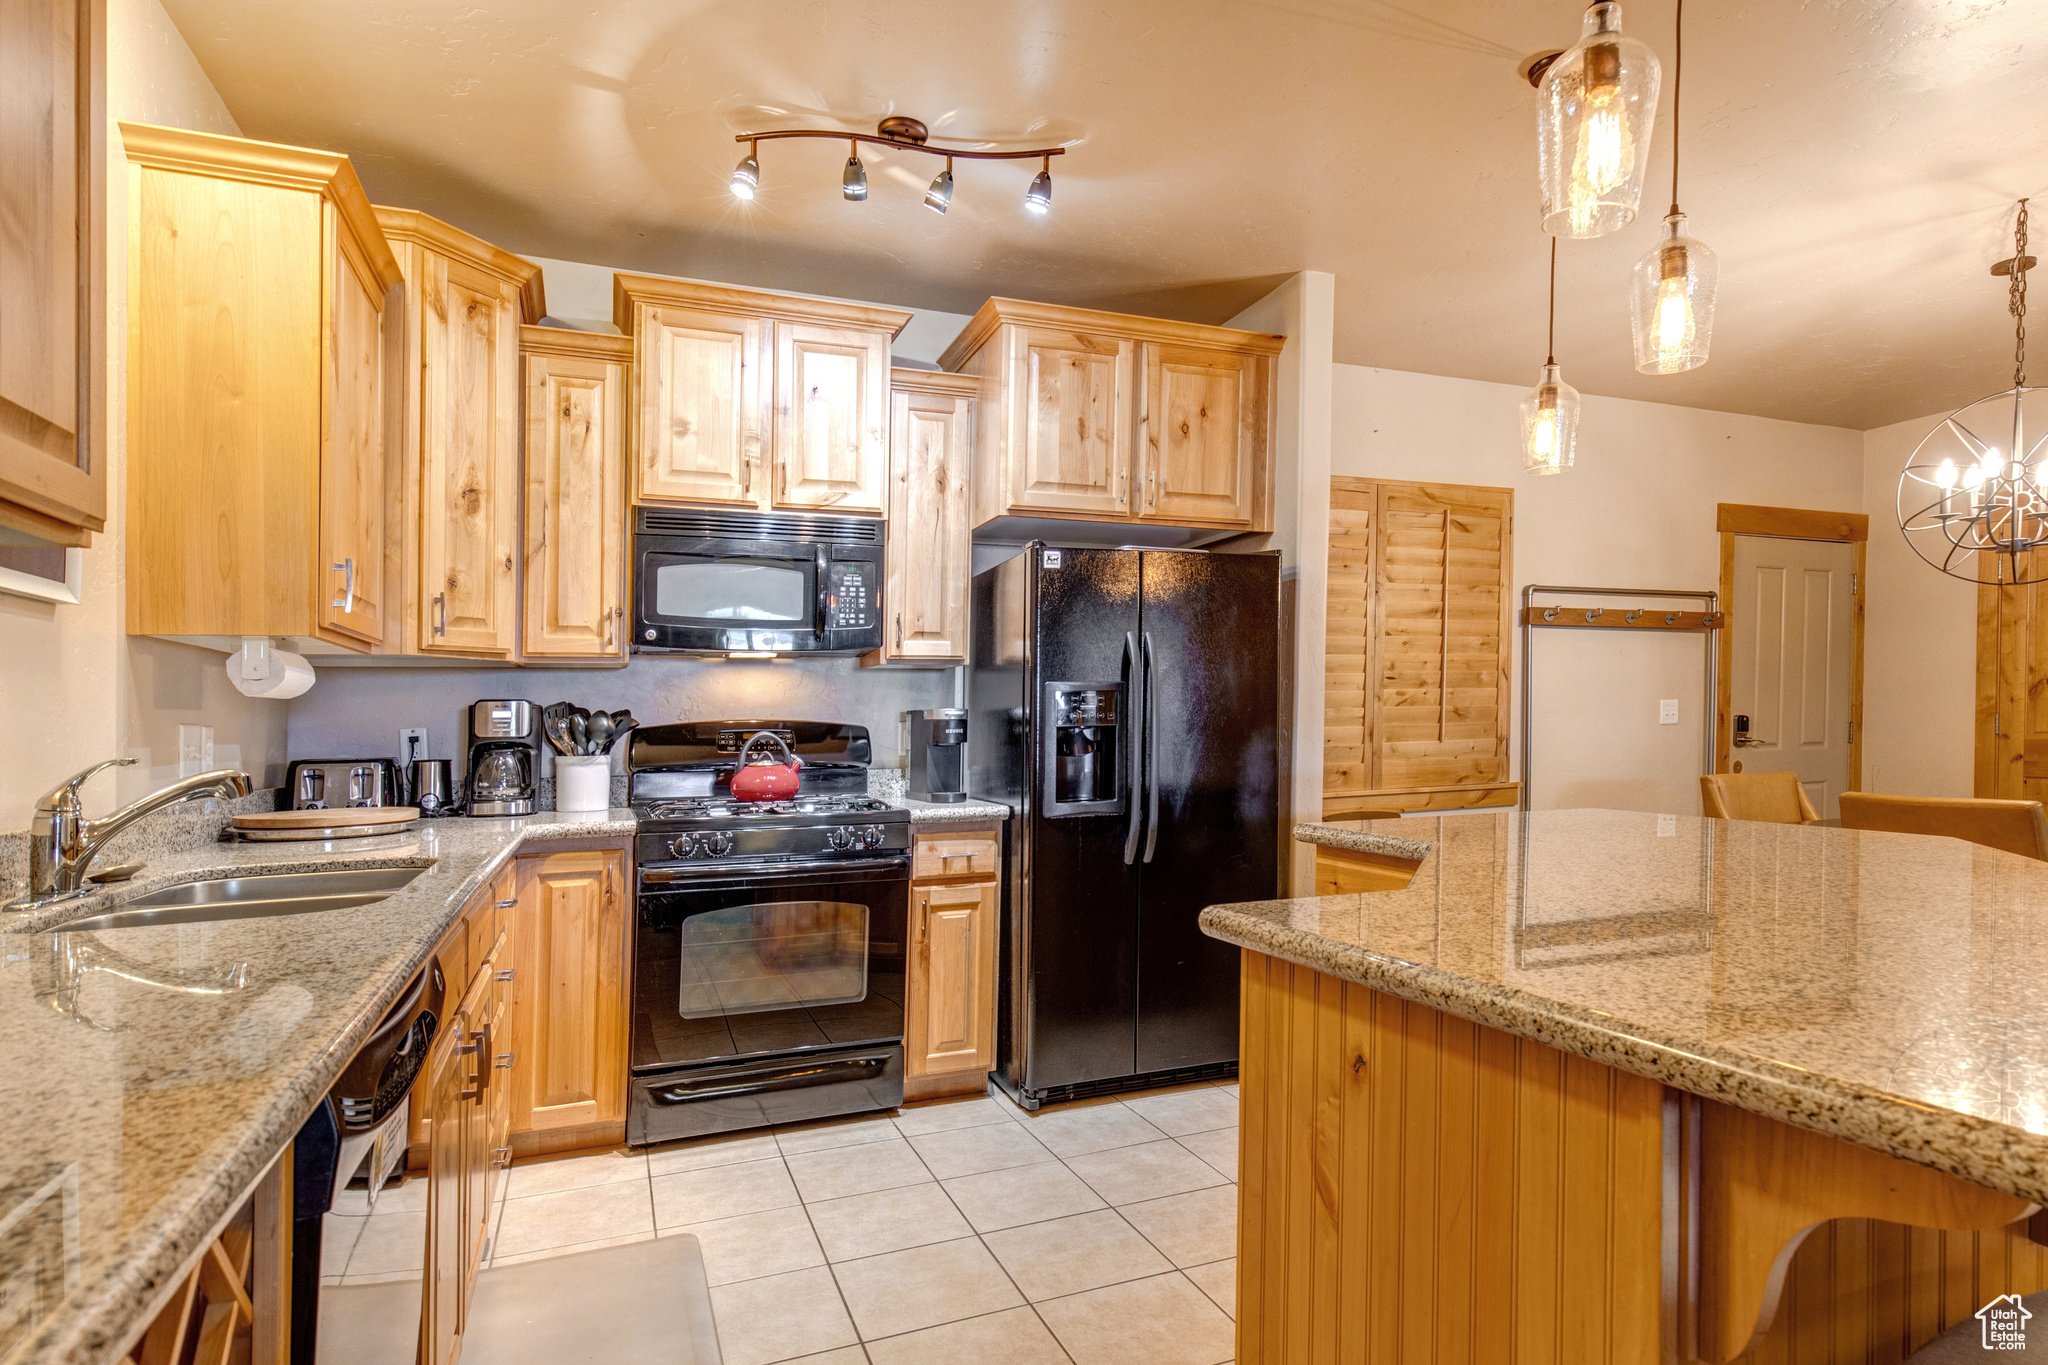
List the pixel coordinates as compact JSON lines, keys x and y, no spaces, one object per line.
{"x":328,"y":819}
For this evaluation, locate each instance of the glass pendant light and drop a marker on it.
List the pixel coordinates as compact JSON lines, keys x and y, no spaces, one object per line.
{"x":1550,"y":411}
{"x":1671,"y":293}
{"x":1598,"y":104}
{"x":854,"y":184}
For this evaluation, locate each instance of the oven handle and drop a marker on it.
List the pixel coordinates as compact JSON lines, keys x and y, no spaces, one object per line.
{"x":704,"y":876}
{"x":765,"y":1080}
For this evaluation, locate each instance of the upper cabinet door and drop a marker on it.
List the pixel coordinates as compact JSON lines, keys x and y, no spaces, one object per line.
{"x":348,"y":581}
{"x":469,"y":458}
{"x":51,"y":125}
{"x":831,"y":417}
{"x":575,"y":507}
{"x":929,"y":558}
{"x":703,"y":408}
{"x":1070,"y":416}
{"x":1198,"y":430}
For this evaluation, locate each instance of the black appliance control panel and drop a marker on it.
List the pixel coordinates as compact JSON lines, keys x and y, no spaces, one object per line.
{"x":850,"y":594}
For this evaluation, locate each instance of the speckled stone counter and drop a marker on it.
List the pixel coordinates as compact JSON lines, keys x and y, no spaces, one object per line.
{"x":148,"y":1075}
{"x":887,"y":784}
{"x":1887,"y":989}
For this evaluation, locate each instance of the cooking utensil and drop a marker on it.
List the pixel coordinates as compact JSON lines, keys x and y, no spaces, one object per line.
{"x":554,"y":723}
{"x":579,"y":730}
{"x":600,"y":733}
{"x":765,"y":779}
{"x":622,"y":721}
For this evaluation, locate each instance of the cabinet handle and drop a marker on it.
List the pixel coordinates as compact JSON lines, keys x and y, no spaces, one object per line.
{"x":747,"y":477}
{"x":441,"y":613}
{"x":501,"y":1157}
{"x":1151,"y":488}
{"x":508,"y":974}
{"x":479,"y":1047}
{"x":1123,"y":488}
{"x":504,"y":1061}
{"x":899,"y":630}
{"x":507,"y":905}
{"x":347,"y":600}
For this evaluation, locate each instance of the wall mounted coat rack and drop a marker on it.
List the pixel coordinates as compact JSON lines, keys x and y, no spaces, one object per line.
{"x":1611,"y":617}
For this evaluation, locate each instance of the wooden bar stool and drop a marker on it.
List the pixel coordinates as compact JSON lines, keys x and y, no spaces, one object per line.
{"x":2015,"y":826}
{"x":1775,"y":798}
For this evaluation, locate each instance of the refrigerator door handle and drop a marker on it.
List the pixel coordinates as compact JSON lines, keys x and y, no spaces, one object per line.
{"x":1151,"y":765}
{"x":1135,"y":756}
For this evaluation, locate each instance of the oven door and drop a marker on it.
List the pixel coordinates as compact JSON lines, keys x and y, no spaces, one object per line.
{"x":770,"y":994}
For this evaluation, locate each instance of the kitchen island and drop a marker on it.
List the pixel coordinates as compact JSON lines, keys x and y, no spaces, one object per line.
{"x":1594,"y":1086}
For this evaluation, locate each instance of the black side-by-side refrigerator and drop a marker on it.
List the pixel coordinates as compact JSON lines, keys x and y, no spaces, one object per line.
{"x":1125,"y":703}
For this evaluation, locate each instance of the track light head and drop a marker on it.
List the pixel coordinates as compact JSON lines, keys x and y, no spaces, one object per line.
{"x":941,"y":193}
{"x":746,"y":177}
{"x":1038,"y":199}
{"x":854,"y":184}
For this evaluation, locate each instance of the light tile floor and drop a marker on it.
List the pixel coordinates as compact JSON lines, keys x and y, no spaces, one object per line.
{"x":1101,"y":1232}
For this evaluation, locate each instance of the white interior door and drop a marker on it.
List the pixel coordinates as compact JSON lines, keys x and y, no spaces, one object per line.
{"x":1792,"y":617}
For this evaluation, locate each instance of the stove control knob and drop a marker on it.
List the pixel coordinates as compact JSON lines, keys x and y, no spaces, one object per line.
{"x":870,"y":836}
{"x":684,"y":846}
{"x":720,"y":842}
{"x":839,"y":838}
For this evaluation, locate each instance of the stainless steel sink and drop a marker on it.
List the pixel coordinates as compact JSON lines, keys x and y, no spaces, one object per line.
{"x":254,"y":897}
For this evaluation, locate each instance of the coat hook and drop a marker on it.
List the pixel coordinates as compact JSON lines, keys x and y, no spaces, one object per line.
{"x":1550,"y":613}
{"x":1630,"y":619}
{"x":1671,"y":617}
{"x":1595,"y":614}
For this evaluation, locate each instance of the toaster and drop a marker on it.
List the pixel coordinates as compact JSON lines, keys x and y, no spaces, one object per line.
{"x":343,"y":783}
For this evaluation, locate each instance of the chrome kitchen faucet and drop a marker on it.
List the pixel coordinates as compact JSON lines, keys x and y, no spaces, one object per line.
{"x":62,"y":842}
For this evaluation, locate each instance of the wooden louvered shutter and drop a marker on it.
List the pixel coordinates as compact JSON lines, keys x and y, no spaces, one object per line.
{"x":1416,"y":672}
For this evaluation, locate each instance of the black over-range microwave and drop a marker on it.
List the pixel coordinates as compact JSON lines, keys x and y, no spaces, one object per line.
{"x":710,"y":582}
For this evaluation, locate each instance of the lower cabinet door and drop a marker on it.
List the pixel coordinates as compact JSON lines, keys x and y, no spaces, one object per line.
{"x":569,"y":1029}
{"x":950,"y":1021}
{"x":447,"y":1077}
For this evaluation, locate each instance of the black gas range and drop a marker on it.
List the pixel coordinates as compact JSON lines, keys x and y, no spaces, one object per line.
{"x":769,"y":959}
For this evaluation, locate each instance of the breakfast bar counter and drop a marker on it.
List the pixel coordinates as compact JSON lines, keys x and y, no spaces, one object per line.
{"x":1584,"y":1086}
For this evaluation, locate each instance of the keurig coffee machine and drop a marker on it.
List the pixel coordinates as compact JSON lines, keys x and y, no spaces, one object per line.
{"x":504,"y":757}
{"x":938,"y":755}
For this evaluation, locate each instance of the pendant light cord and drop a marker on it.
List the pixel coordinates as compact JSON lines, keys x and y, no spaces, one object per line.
{"x":2017,"y":301}
{"x":1677,"y":84}
{"x":1551,"y":349}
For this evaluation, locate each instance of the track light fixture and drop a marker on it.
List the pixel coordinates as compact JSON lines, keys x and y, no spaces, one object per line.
{"x":746,"y":177}
{"x":904,"y":134}
{"x":941,"y":193}
{"x":854,"y":184}
{"x":1038,"y":199}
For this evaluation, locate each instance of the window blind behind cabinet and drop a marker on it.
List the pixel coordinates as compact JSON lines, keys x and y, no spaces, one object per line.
{"x":1415,"y":683}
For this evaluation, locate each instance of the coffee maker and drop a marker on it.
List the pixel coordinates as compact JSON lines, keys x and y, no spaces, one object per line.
{"x":504,"y":757}
{"x":938,"y":755}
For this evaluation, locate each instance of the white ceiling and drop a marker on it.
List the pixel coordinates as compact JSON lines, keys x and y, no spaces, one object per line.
{"x":1853,"y":162}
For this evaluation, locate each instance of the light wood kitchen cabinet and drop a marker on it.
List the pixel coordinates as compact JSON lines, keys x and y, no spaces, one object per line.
{"x":569,"y":1034}
{"x":575,"y":494}
{"x":256,"y":483}
{"x":53,"y":480}
{"x":748,"y":399}
{"x":1110,"y":418}
{"x":950,"y":996}
{"x":928,"y":562}
{"x":451,"y":438}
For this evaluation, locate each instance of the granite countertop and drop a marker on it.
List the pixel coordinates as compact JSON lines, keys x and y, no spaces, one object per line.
{"x":887,"y":784}
{"x":1888,"y":989}
{"x":149,"y":1075}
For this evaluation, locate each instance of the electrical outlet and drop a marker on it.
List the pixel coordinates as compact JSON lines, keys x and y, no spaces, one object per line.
{"x":406,"y":751}
{"x":1667,"y":711}
{"x":195,"y":749}
{"x":1667,"y":826}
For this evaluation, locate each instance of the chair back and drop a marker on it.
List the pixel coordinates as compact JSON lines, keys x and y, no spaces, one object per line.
{"x":2015,"y":826}
{"x":1775,"y":798}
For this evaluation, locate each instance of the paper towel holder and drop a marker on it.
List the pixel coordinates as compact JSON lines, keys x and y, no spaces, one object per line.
{"x":259,"y":669}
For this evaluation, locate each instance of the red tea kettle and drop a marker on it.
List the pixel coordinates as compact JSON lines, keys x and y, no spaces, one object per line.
{"x":764,"y":779}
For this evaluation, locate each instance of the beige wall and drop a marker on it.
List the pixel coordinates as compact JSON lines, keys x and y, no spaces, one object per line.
{"x":1637,"y":511}
{"x":74,"y":687}
{"x":1920,"y":644}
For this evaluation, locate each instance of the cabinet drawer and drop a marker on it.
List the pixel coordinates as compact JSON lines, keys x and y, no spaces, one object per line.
{"x":969,"y":853}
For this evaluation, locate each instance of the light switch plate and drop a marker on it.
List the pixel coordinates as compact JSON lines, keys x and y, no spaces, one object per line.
{"x":1667,"y":826}
{"x":405,"y":737}
{"x":1667,"y":711}
{"x":195,"y":749}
